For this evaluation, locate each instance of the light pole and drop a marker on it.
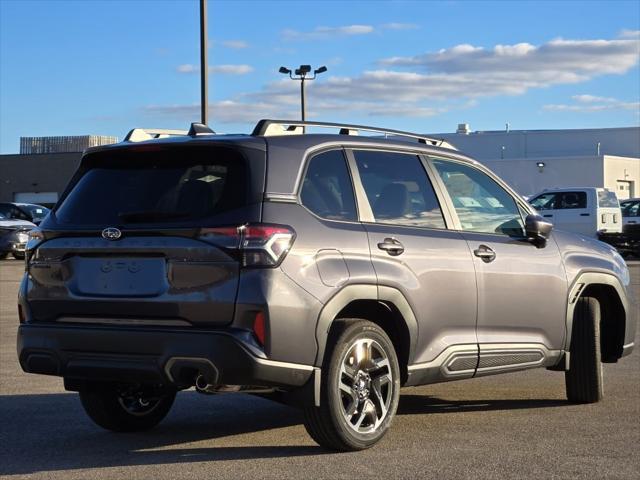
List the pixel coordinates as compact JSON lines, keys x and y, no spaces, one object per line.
{"x":204,"y":69}
{"x":301,"y":74}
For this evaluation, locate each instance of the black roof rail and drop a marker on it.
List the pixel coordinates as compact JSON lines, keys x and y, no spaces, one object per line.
{"x":268,"y":127}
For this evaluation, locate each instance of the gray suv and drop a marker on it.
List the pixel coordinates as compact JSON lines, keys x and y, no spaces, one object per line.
{"x":322,"y":270}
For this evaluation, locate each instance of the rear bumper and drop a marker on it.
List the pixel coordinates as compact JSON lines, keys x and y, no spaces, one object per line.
{"x":151,"y":356}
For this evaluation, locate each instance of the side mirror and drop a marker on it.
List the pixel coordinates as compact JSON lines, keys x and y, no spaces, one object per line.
{"x":537,"y":230}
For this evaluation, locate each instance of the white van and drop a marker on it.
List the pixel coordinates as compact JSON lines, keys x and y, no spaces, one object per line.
{"x":588,"y":211}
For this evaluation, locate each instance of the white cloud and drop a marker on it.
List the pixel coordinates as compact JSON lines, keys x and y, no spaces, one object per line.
{"x":187,"y":68}
{"x":222,"y":69}
{"x":226,"y":111}
{"x":568,"y":59}
{"x":629,"y":34}
{"x":231,"y":69}
{"x":593,"y":99}
{"x":400,"y":26}
{"x":235,"y":44}
{"x":328,"y":32}
{"x":453,"y":78}
{"x":592,"y":103}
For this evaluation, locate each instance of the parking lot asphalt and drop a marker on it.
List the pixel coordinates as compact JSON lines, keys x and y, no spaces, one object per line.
{"x":517,"y":425}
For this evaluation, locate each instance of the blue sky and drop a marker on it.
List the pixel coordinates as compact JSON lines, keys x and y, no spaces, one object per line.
{"x":103,"y":67}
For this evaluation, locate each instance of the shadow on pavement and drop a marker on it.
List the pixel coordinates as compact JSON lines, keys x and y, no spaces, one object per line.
{"x":50,"y":432}
{"x":421,"y":404}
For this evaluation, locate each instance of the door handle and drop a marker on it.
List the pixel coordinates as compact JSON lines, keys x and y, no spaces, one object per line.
{"x":392,"y":246}
{"x":485,"y":253}
{"x":584,"y":215}
{"x":548,"y":216}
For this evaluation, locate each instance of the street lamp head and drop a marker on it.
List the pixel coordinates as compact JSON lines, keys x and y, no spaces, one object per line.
{"x":322,"y":69}
{"x":303,"y":70}
{"x":284,"y":70}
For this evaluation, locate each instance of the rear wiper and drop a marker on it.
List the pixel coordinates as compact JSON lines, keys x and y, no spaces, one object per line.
{"x":151,"y":215}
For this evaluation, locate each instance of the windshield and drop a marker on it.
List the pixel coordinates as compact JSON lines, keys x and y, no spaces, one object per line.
{"x":630,"y":209}
{"x":37,"y":212}
{"x":173,"y":186}
{"x":607,"y":199}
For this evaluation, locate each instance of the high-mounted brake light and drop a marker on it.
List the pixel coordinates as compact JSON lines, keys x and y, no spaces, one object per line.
{"x":259,"y":245}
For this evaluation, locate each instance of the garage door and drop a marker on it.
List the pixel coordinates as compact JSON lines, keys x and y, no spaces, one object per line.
{"x":39,"y":198}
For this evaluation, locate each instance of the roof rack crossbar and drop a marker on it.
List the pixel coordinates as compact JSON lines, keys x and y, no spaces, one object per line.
{"x":142,"y":134}
{"x":290,"y":126}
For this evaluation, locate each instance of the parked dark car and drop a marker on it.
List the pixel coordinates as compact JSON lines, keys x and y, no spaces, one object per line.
{"x":326,"y":271}
{"x":24,"y":211}
{"x":627,"y":242}
{"x":14,"y":237}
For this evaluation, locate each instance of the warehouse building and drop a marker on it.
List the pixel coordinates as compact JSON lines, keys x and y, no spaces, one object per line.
{"x":78,"y":143}
{"x":532,"y":160}
{"x":40,"y":172}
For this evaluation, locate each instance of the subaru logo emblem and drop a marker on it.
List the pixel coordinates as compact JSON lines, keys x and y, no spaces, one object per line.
{"x":111,"y":233}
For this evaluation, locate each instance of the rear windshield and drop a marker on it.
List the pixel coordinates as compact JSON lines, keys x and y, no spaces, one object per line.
{"x":179,"y":186}
{"x":607,"y":199}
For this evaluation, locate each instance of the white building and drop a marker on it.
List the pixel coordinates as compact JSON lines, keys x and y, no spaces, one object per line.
{"x":532,"y":160}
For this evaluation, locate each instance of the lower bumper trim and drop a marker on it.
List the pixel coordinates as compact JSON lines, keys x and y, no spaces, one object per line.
{"x":167,"y":357}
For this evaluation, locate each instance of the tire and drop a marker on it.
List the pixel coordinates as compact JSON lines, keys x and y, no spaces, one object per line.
{"x":358,"y":415}
{"x":114,"y":411}
{"x":3,"y":255}
{"x":18,"y":256}
{"x":583,"y":380}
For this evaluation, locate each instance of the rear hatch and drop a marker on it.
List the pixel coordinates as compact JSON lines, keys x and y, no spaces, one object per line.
{"x":608,"y":212}
{"x":125,"y":246}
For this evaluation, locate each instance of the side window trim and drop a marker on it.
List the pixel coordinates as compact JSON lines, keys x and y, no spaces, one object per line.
{"x":365,"y":214}
{"x":450,"y":215}
{"x":445,"y":193}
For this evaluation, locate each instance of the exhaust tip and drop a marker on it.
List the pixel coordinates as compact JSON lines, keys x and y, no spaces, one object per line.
{"x":202,"y":383}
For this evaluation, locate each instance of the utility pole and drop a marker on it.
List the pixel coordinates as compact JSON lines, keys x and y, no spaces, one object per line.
{"x":204,"y":69}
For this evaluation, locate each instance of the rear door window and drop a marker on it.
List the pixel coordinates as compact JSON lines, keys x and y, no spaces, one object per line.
{"x":572,"y":200}
{"x":179,"y":186}
{"x":607,"y":199}
{"x":398,"y":189}
{"x":326,"y":189}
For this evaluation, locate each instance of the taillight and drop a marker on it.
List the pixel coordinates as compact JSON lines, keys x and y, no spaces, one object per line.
{"x":258,"y":245}
{"x":259,"y":328}
{"x":36,"y":237}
